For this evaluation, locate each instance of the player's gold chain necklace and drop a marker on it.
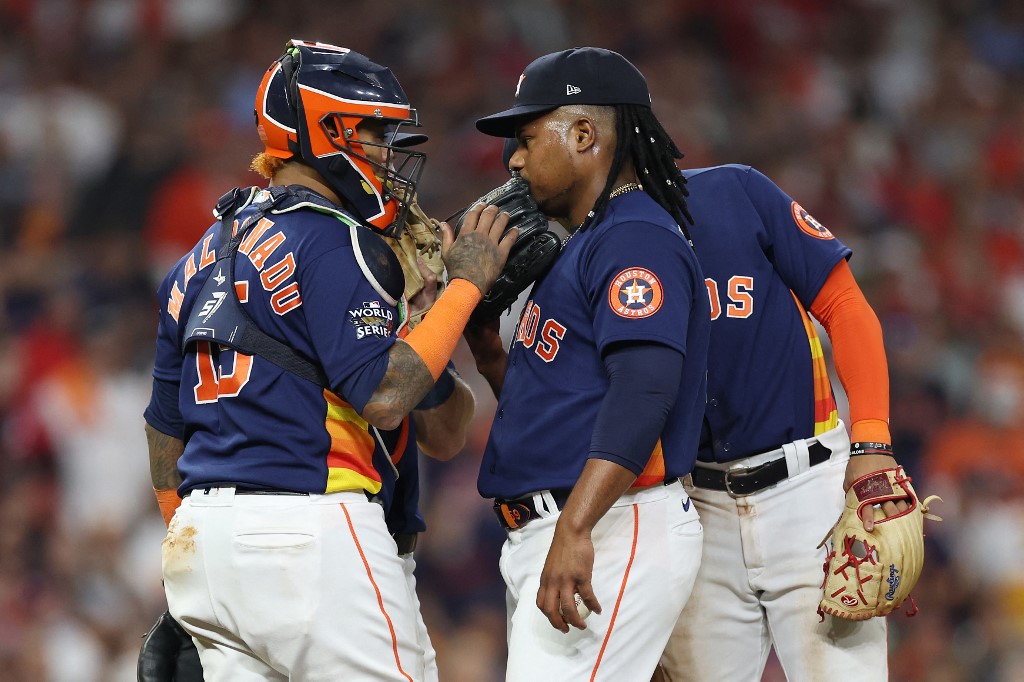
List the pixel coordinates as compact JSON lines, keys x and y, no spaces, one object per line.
{"x":628,"y":187}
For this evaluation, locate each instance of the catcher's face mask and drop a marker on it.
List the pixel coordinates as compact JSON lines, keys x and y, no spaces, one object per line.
{"x":311,"y":104}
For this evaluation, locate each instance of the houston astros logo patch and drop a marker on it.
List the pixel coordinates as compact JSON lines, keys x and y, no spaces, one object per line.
{"x":635,"y":293}
{"x":808,"y":225}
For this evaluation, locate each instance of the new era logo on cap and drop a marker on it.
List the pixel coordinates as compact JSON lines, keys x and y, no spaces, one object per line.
{"x":582,"y":75}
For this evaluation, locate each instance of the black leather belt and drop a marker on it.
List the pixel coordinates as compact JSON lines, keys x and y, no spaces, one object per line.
{"x":513,"y":514}
{"x":747,"y":481}
{"x":272,"y":491}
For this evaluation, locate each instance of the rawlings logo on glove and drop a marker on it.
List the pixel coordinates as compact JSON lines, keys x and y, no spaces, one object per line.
{"x":871,"y":574}
{"x":532,"y":254}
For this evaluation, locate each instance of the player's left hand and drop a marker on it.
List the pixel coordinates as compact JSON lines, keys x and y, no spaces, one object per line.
{"x":863,"y":465}
{"x":567,"y":571}
{"x":428,"y":294}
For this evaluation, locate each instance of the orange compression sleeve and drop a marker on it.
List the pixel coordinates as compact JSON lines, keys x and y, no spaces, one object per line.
{"x":169,"y":503}
{"x":434,"y":339}
{"x":858,"y":352}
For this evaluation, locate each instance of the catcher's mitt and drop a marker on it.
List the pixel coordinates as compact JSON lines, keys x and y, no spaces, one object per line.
{"x":533,"y":253}
{"x":420,"y":238}
{"x":168,"y":654}
{"x":870,"y":574}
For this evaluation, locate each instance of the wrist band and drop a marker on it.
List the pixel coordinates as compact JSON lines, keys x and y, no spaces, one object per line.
{"x":870,"y":448}
{"x":434,"y":339}
{"x":442,"y":390}
{"x":168,"y":501}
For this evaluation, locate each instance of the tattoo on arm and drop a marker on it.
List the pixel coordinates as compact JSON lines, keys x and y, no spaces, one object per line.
{"x":404,"y":384}
{"x":474,"y":258}
{"x":164,"y":452}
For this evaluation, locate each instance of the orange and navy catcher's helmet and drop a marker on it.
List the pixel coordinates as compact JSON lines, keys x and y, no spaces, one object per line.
{"x":308,"y":108}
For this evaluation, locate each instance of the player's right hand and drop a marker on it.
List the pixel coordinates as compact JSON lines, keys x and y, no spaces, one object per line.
{"x":568,"y":570}
{"x":482,"y":247}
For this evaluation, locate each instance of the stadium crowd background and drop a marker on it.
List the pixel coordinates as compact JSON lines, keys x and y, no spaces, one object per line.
{"x":898,"y":123}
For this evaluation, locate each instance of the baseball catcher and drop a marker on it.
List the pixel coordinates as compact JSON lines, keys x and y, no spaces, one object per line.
{"x":533,"y":253}
{"x":870,"y":574}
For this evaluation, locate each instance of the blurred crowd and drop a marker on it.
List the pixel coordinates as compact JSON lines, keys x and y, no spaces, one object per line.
{"x":899,"y":124}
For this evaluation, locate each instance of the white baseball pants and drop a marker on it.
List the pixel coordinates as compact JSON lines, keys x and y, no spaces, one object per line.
{"x":646,"y":552}
{"x":760,"y":584}
{"x":429,"y":654}
{"x":279,"y":587}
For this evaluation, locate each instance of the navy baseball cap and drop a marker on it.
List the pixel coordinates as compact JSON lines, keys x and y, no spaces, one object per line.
{"x":582,"y":75}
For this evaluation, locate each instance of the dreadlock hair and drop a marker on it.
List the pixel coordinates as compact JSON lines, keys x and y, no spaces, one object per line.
{"x":641,"y":139}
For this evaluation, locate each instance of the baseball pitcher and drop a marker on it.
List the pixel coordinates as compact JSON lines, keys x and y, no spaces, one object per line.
{"x":601,"y":395}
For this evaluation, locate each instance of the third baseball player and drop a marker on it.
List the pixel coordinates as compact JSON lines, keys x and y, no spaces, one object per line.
{"x":773,"y":455}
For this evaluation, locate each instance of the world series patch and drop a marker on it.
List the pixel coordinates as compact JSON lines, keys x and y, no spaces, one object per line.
{"x":635,"y":293}
{"x":372,"y":319}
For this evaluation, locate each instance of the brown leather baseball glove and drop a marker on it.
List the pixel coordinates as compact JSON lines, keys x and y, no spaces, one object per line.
{"x":421,"y":239}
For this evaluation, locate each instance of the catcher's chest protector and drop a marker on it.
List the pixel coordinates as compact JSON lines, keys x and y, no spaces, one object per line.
{"x":218,"y":316}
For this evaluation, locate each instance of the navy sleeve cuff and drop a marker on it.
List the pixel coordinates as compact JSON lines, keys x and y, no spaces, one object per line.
{"x":162,"y":413}
{"x":621,"y":461}
{"x":441,"y":391}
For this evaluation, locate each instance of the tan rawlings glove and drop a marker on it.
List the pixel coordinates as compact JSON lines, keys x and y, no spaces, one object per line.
{"x":421,"y":239}
{"x":870,"y":574}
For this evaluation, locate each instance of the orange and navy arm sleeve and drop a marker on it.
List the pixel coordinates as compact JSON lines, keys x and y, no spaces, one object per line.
{"x":858,"y":352}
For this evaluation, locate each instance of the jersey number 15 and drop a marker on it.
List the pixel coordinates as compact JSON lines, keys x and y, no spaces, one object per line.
{"x":213,"y":382}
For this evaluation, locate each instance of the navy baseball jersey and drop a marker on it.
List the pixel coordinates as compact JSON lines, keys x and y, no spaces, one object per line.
{"x":764,"y":265}
{"x":248,"y":422}
{"x":402,"y":505}
{"x":631,"y":277}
